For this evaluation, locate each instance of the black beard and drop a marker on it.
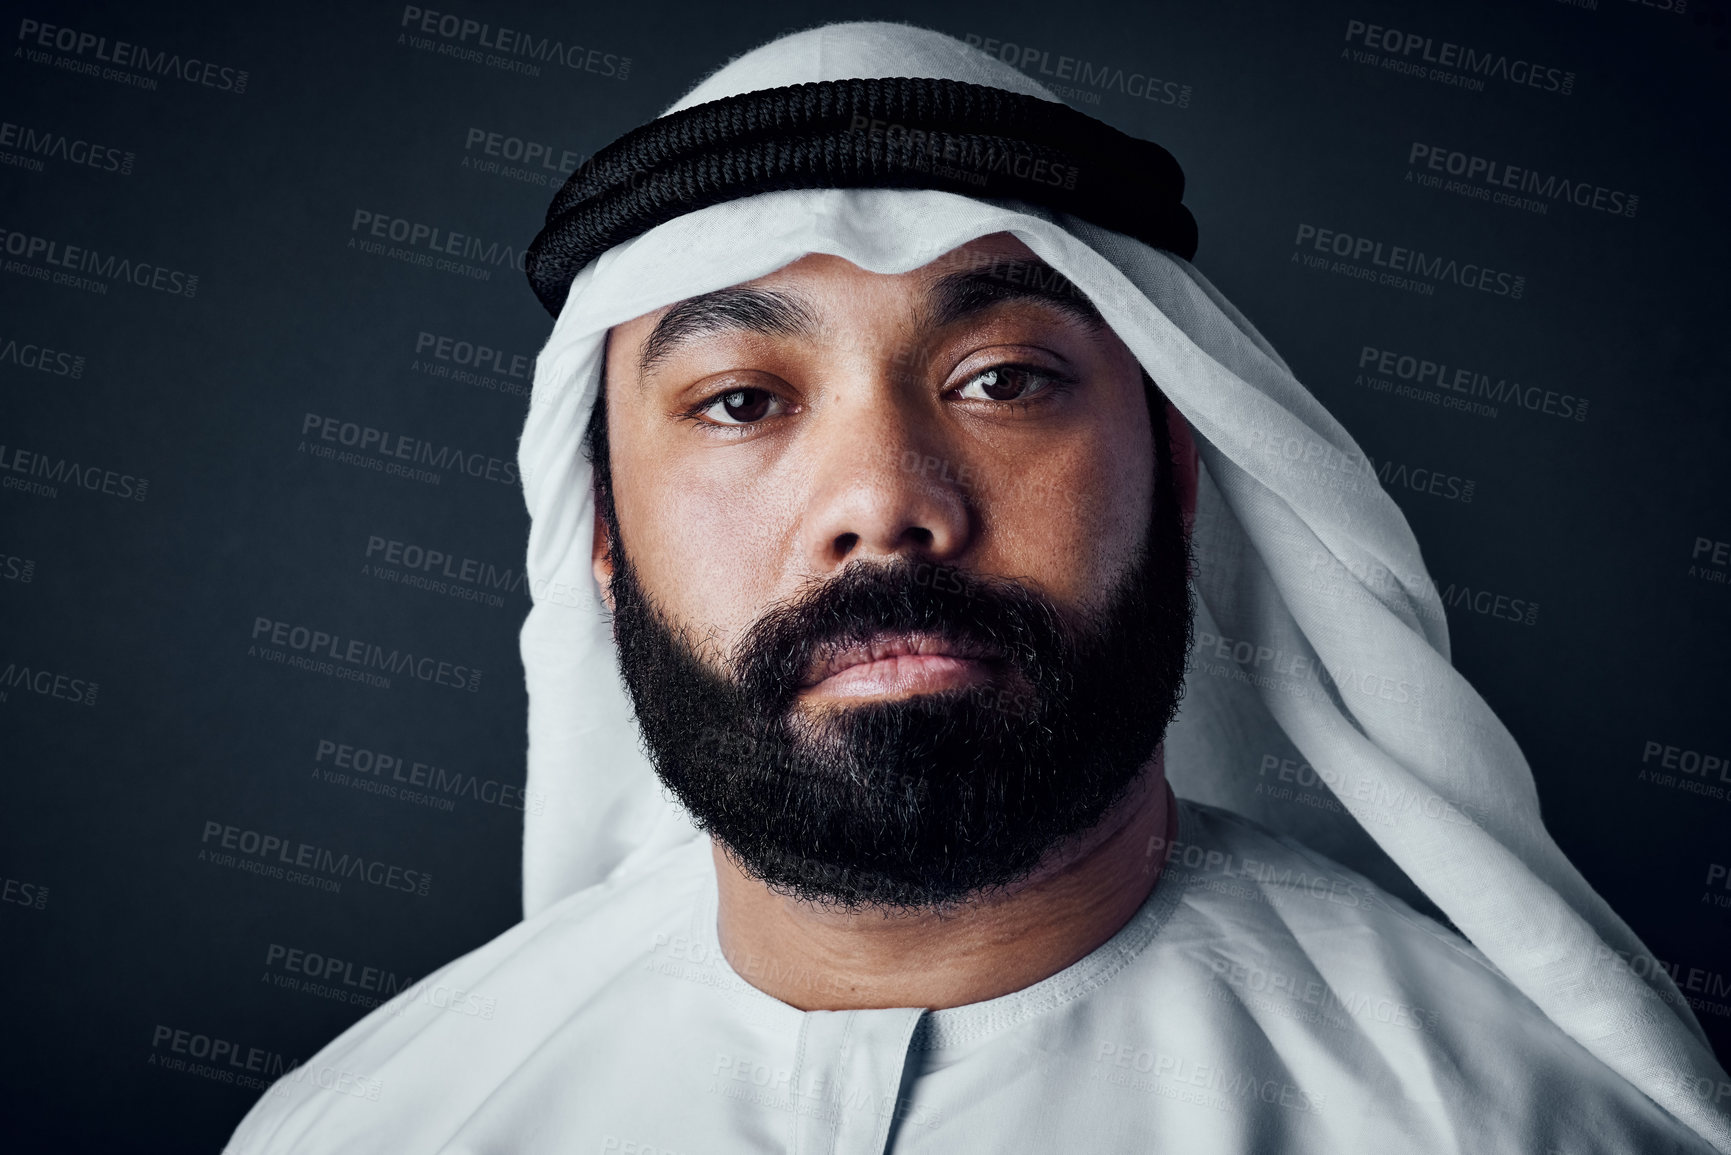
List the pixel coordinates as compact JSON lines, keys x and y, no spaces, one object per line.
{"x":925,"y":801}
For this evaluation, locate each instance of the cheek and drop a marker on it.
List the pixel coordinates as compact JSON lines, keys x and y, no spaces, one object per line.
{"x":706,"y":548}
{"x":1072,"y":517}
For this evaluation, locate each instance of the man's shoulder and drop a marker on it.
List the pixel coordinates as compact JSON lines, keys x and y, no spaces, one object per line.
{"x":408,"y":1074}
{"x":1336,"y":975}
{"x":1273,"y":899}
{"x":1276,"y":879}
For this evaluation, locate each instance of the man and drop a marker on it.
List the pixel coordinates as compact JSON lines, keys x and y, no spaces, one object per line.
{"x":882,"y":427}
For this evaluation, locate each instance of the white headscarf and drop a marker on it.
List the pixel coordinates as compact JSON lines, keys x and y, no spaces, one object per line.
{"x":1320,"y":634}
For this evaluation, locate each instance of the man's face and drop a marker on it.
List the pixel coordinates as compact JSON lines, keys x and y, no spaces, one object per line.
{"x":897,"y":602}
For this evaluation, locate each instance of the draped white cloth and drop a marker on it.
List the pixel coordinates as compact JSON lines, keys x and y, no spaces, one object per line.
{"x":1262,"y":1000}
{"x":1320,"y":635}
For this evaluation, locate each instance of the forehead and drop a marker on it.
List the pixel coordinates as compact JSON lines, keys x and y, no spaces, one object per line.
{"x":807,"y":295}
{"x":819,"y":269}
{"x":981,"y":254}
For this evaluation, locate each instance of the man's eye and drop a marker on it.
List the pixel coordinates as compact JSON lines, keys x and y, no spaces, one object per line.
{"x":1006,"y":383}
{"x":742,"y":407}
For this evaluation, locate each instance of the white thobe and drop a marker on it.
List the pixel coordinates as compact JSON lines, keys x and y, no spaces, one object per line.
{"x":1263,"y":999}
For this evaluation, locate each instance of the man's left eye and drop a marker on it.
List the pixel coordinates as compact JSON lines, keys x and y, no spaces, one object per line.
{"x":1006,"y":383}
{"x":742,"y":407}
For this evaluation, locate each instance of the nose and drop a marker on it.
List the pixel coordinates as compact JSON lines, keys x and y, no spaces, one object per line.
{"x":886,"y":483}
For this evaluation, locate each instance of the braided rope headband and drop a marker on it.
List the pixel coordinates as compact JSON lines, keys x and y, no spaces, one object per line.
{"x":899,"y":132}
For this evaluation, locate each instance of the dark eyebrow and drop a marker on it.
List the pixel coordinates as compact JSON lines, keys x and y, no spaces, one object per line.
{"x":737,"y":309}
{"x":959,"y":295}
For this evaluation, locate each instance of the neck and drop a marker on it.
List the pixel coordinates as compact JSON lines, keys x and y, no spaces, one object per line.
{"x":818,"y":958}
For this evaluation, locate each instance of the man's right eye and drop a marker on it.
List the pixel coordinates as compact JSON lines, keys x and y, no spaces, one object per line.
{"x":741,"y":407}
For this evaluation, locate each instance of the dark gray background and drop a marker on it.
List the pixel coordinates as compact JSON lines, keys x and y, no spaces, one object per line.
{"x":113,"y":926}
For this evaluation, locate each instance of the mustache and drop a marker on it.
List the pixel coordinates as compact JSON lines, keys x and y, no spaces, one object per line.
{"x":985,"y":613}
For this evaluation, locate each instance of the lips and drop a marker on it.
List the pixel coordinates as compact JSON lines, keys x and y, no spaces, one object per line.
{"x":888,"y":647}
